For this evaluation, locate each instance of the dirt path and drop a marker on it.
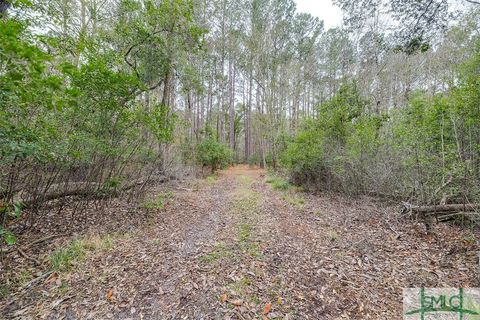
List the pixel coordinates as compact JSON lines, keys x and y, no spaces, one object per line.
{"x":227,"y":248}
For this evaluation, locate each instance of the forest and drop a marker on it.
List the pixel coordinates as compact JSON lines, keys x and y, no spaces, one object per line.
{"x":193,"y":159}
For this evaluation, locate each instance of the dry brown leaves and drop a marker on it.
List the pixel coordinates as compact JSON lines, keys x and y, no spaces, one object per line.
{"x":199,"y":259}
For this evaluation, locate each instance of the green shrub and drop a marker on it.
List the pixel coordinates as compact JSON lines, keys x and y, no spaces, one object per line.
{"x":61,"y":121}
{"x":330,"y":150}
{"x":214,"y":154}
{"x":253,"y":160}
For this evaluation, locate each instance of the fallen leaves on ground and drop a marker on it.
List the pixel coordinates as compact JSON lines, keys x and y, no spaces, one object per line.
{"x":110,"y":295}
{"x":266,"y":310}
{"x":223,"y":298}
{"x":318,"y":261}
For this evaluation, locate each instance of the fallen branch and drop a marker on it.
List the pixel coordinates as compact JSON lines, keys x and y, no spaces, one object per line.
{"x":465,"y":214}
{"x":23,"y":254}
{"x":37,"y":279}
{"x":185,"y":189}
{"x":446,"y":208}
{"x":46,"y":239}
{"x":60,"y":301}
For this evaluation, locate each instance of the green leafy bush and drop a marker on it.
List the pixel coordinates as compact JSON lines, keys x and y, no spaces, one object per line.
{"x":63,"y":123}
{"x":317,"y":155}
{"x":253,"y":160}
{"x":214,"y":154}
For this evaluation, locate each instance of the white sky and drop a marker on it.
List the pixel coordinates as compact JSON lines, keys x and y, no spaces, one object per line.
{"x":324,"y":9}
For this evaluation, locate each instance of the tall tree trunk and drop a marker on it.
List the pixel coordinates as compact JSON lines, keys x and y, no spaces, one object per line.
{"x":248,"y":119}
{"x":83,"y":31}
{"x":232,"y":105}
{"x":166,"y":89}
{"x":210,"y":99}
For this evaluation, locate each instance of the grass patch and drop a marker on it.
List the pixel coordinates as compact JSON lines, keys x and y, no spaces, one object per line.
{"x":62,"y":290}
{"x":244,"y":232}
{"x":13,"y":280}
{"x":206,"y":182}
{"x":211,"y":257}
{"x":246,"y":205}
{"x":244,"y":287}
{"x":24,"y":277}
{"x":219,"y":253}
{"x":4,"y":291}
{"x":254,"y":251}
{"x":246,"y":241}
{"x":211,"y":179}
{"x":246,"y":201}
{"x":290,"y":190}
{"x":241,"y":286}
{"x":469,"y":238}
{"x":294,"y":200}
{"x":298,"y":188}
{"x":333,"y":236}
{"x":245,"y":180}
{"x":278,"y":183}
{"x":64,"y":259}
{"x":158,"y":202}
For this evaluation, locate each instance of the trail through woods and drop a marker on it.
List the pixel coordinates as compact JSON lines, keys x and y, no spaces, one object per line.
{"x":232,"y":247}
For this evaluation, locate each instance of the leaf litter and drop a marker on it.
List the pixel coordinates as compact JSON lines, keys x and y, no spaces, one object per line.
{"x":236,"y":249}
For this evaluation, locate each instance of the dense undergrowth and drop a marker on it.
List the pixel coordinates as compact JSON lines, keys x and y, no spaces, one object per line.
{"x":427,"y":152}
{"x":73,"y":117}
{"x":68,"y":130}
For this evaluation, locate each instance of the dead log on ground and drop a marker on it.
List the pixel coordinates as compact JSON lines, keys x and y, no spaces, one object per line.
{"x":442,"y":213}
{"x":446,"y":208}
